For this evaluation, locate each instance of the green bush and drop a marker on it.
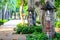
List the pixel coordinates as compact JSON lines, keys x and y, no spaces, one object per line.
{"x":57,"y":36}
{"x":2,"y":21}
{"x":38,"y":36}
{"x":25,"y":29}
{"x":20,"y":25}
{"x":58,"y":24}
{"x":38,"y":21}
{"x":41,"y":36}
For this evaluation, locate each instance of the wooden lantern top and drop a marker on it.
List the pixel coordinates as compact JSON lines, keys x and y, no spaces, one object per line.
{"x":48,"y":6}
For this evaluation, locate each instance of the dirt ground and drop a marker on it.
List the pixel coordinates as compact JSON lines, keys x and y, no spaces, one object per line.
{"x":7,"y":34}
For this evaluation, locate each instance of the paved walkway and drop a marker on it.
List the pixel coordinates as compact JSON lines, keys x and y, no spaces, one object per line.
{"x":12,"y":23}
{"x":6,"y":31}
{"x":8,"y":35}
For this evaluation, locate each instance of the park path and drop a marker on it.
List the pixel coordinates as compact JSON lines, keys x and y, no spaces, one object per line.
{"x":12,"y":23}
{"x":6,"y":31}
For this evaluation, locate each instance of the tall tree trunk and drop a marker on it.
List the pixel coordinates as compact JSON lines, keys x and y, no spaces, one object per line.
{"x":2,"y":12}
{"x":14,"y":14}
{"x":40,"y":12}
{"x":5,"y":9}
{"x":32,"y":13}
{"x":21,"y":12}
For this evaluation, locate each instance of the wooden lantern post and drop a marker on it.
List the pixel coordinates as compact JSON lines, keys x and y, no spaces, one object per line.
{"x":49,"y":19}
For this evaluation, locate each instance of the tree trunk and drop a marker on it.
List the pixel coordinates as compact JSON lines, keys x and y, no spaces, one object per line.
{"x":40,"y":12}
{"x":5,"y":9}
{"x":2,"y":12}
{"x":14,"y":14}
{"x":32,"y":13}
{"x":21,"y":12}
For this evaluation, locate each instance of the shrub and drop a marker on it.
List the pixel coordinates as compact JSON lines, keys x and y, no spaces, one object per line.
{"x":57,"y":36}
{"x":25,"y":29}
{"x":38,"y":28}
{"x":20,"y":25}
{"x":38,"y":21}
{"x":38,"y":36}
{"x":41,"y":36}
{"x":1,"y":22}
{"x":58,"y":24}
{"x":4,"y":20}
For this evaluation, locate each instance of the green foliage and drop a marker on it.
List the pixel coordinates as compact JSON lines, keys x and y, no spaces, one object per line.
{"x":25,"y":10}
{"x":38,"y":21}
{"x":20,"y":25}
{"x":57,"y":36}
{"x":19,"y":2}
{"x":41,"y":36}
{"x":5,"y":20}
{"x":58,"y":24}
{"x":38,"y":36}
{"x":58,"y":13}
{"x":25,"y":29}
{"x":57,"y":3}
{"x":43,"y":2}
{"x":11,"y":4}
{"x":2,"y":21}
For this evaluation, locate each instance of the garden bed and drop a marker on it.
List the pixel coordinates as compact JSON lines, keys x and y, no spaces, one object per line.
{"x":35,"y":32}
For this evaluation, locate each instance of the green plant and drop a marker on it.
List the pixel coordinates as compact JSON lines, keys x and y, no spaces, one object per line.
{"x":25,"y":29}
{"x":58,"y":24}
{"x":1,"y":22}
{"x":14,"y":29}
{"x":38,"y":29}
{"x":57,"y":36}
{"x":20,"y":25}
{"x":38,"y":36}
{"x":41,"y":36}
{"x":4,"y":20}
{"x":38,"y":21}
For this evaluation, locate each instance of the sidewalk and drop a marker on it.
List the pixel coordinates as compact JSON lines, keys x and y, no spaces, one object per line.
{"x":7,"y":34}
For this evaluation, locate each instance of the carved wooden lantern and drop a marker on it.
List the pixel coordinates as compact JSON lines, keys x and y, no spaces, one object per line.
{"x":48,"y":6}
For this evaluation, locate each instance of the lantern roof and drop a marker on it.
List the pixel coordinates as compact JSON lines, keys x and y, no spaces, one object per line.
{"x":48,"y":6}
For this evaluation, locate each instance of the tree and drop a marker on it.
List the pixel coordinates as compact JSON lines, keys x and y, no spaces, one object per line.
{"x":22,"y":4}
{"x":31,"y":12}
{"x":7,"y":5}
{"x":39,"y":4}
{"x":57,"y":4}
